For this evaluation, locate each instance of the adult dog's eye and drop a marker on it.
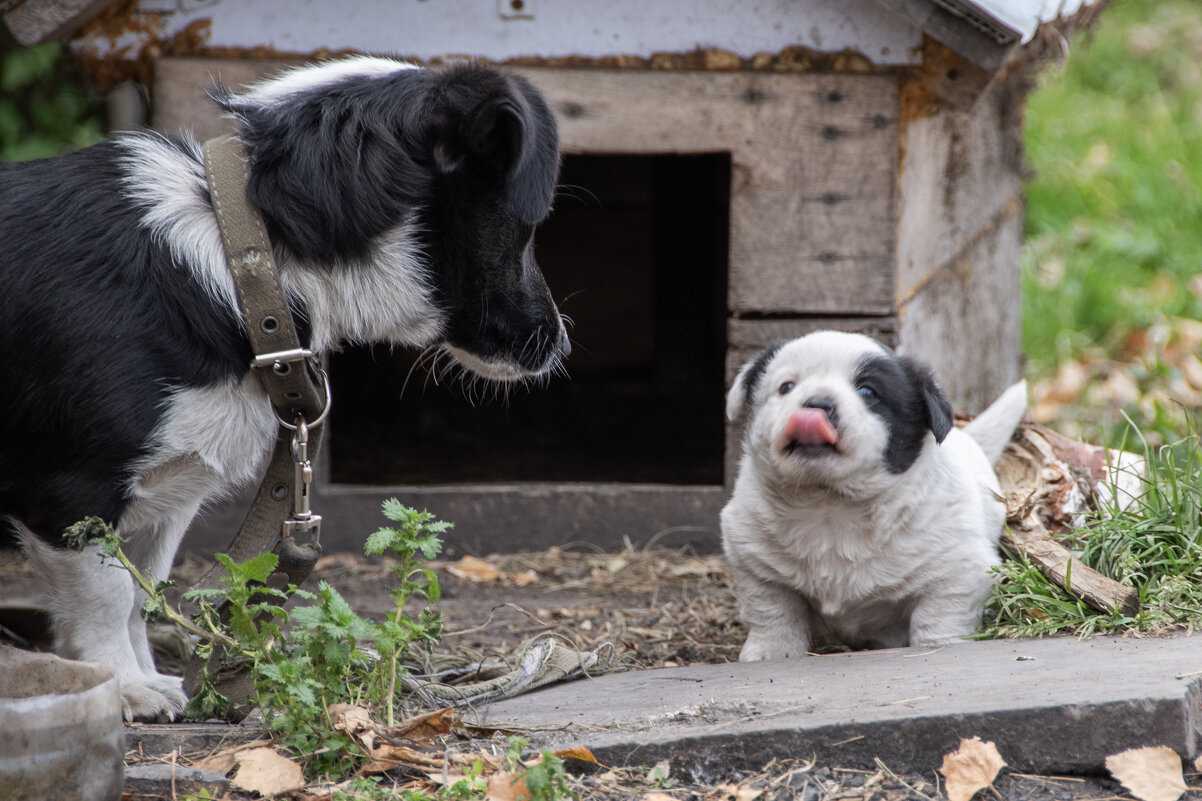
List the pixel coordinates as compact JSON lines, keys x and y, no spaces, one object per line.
{"x":867,"y":393}
{"x":787,"y":387}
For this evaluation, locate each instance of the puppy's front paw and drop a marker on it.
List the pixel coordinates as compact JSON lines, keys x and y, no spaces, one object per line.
{"x":767,"y":644}
{"x":152,"y":699}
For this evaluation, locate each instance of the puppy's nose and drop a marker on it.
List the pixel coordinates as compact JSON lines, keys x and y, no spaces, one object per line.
{"x":565,"y":344}
{"x":825,"y":404}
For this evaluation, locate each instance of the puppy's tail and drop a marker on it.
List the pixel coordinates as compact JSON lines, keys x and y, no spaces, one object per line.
{"x":993,"y":427}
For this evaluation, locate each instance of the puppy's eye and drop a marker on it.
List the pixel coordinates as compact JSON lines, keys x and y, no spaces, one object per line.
{"x":867,"y":393}
{"x":787,"y":387}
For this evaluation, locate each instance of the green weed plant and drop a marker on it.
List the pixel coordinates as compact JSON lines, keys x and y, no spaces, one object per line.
{"x":304,"y":660}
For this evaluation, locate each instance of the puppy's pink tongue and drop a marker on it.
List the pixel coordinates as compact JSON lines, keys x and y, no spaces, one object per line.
{"x":810,"y":427}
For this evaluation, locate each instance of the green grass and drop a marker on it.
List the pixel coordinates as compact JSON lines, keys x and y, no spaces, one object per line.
{"x":1114,"y":215}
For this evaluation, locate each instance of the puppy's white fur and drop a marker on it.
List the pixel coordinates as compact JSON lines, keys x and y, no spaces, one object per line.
{"x":835,"y":546}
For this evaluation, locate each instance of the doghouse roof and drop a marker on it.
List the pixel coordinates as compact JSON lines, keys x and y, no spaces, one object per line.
{"x":983,"y":31}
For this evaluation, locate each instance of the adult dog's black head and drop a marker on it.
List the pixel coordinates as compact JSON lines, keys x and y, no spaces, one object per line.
{"x":405,"y":201}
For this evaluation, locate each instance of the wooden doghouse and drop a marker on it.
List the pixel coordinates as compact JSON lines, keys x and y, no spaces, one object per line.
{"x":734,"y":174}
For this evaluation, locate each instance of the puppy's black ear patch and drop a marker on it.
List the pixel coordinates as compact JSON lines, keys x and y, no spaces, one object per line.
{"x":743,"y":390}
{"x":910,"y":402}
{"x":939,"y":413}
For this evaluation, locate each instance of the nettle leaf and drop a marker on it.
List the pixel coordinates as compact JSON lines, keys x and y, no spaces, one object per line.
{"x":272,"y":671}
{"x":430,"y":545}
{"x":90,"y":530}
{"x":306,"y":617}
{"x":273,"y":610}
{"x":431,"y":624}
{"x":152,"y":609}
{"x":336,"y":606}
{"x":206,"y":703}
{"x":432,"y":590}
{"x":260,"y":567}
{"x":395,"y":510}
{"x":379,"y":541}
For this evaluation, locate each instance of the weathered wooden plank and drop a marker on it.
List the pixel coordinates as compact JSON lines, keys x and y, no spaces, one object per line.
{"x":814,"y":169}
{"x":181,"y":86}
{"x":966,"y":320}
{"x":959,"y":233}
{"x":35,"y":21}
{"x":744,"y":338}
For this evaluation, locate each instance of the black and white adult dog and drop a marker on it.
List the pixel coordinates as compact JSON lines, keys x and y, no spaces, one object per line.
{"x":401,"y":203}
{"x":860,"y":514}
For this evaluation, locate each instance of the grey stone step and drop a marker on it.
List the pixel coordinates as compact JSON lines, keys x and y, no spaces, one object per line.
{"x":1051,"y":706}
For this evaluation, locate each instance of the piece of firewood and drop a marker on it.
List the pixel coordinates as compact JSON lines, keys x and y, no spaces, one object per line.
{"x":1029,"y":537}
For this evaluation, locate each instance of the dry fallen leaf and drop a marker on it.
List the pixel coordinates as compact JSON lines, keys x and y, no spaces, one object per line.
{"x":660,"y":772}
{"x":474,"y":569}
{"x":263,"y":771}
{"x":426,"y":727}
{"x":478,"y":571}
{"x":971,"y":767}
{"x":388,"y":755}
{"x":506,"y":786}
{"x":659,"y":797}
{"x":223,"y":761}
{"x":1150,"y":774}
{"x":1198,"y":764}
{"x":578,"y":752}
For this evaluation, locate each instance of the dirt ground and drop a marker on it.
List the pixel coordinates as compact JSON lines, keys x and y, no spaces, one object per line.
{"x":656,"y":608}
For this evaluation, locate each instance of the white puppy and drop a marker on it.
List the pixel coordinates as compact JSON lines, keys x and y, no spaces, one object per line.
{"x":860,"y":514}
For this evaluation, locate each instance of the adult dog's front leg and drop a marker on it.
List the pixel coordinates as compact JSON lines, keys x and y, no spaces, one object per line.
{"x":91,"y":601}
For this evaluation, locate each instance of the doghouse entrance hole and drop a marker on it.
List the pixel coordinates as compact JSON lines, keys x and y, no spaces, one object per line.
{"x":636,"y":254}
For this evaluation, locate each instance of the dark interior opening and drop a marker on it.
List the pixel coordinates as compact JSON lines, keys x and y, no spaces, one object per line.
{"x":636,"y":254}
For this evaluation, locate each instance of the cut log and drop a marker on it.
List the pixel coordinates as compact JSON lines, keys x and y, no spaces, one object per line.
{"x":1029,"y":537}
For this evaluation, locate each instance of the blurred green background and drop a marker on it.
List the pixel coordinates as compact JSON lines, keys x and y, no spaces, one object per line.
{"x":1112,"y":267}
{"x":45,"y":109}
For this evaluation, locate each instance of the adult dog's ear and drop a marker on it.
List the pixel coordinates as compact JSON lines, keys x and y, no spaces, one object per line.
{"x":742,"y":391}
{"x":939,"y":416}
{"x":503,"y":129}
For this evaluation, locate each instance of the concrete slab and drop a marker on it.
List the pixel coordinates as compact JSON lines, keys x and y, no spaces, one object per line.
{"x":1052,"y":706}
{"x":172,"y":781}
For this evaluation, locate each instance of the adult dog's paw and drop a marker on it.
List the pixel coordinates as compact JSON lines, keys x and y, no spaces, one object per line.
{"x":152,"y":699}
